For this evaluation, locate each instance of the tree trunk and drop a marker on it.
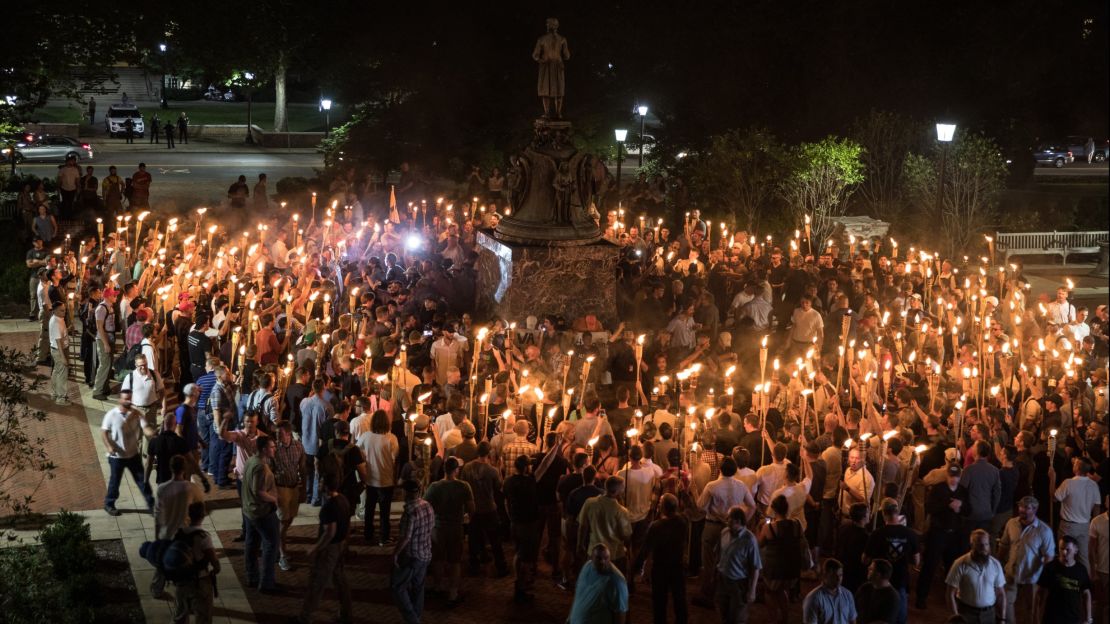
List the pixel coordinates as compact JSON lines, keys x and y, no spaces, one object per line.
{"x":281,"y":124}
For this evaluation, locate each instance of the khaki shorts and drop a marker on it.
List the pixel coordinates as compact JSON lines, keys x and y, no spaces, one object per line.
{"x":289,"y":503}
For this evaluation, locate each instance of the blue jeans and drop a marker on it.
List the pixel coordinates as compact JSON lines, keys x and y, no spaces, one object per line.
{"x":312,"y":481}
{"x":406,"y":583}
{"x":903,"y":605}
{"x":204,"y":424}
{"x":135,"y":466}
{"x":221,"y":461}
{"x":266,"y":530}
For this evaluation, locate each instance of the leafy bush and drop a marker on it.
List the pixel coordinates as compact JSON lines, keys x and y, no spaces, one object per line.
{"x":68,"y":545}
{"x":29,"y":593}
{"x":13,"y":283}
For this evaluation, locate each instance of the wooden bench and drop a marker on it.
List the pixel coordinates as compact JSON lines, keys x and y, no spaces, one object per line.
{"x":1061,"y":244}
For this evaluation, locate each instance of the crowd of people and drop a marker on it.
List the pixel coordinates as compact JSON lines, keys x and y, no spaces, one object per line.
{"x":755,"y":416}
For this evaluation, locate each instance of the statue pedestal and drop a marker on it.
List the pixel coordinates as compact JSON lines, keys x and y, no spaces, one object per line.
{"x":515,"y":280}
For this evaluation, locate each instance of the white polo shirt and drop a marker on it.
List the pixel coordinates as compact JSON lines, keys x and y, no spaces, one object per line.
{"x":976,"y":583}
{"x":125,"y":431}
{"x":57,"y":328}
{"x":1078,"y":496}
{"x":144,"y":388}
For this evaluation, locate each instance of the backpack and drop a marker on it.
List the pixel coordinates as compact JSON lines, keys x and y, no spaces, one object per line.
{"x":335,"y":462}
{"x":174,"y":557}
{"x":255,"y":406}
{"x":179,"y":561}
{"x":125,"y":363}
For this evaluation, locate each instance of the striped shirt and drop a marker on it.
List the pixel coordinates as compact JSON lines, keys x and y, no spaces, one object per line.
{"x":206,"y":382}
{"x":417,"y":522}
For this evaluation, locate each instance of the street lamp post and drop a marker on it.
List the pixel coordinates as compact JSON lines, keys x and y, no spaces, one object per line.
{"x":945,"y":134}
{"x":643,"y":110}
{"x":621,"y":134}
{"x":162,"y":48}
{"x":248,"y":76}
{"x":326,"y":105}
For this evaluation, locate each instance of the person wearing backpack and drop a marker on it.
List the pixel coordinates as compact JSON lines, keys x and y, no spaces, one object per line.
{"x":261,"y":402}
{"x":225,"y":416}
{"x":195,"y":593}
{"x":329,"y":551}
{"x":342,"y":457}
{"x":146,"y":390}
{"x":105,"y":339}
{"x":784,"y":546}
{"x":171,"y":506}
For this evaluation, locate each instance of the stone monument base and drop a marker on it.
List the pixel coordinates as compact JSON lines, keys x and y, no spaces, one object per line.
{"x":515,"y":280}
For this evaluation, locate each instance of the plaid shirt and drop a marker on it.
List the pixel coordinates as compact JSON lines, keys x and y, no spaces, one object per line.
{"x":133,"y":335}
{"x":417,"y":523}
{"x":289,"y":464}
{"x":711,"y":458}
{"x":514,"y":449}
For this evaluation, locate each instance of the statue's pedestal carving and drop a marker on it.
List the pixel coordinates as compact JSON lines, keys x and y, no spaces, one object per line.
{"x":515,"y":280}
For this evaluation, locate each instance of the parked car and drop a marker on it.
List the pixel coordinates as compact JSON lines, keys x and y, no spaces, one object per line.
{"x":1077,"y":145}
{"x":119,"y":113}
{"x":51,"y":149}
{"x":1054,"y":154}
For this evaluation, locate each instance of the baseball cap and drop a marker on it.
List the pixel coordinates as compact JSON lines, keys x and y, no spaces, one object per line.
{"x":110,"y":292}
{"x":954,"y":470}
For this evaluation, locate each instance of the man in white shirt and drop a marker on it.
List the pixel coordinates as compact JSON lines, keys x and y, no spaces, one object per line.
{"x":858,"y":486}
{"x":280,"y":251}
{"x":1059,"y":313}
{"x":807,"y":326}
{"x":446,"y":352}
{"x":146,"y":390}
{"x":976,"y":584}
{"x":59,"y":338}
{"x":1078,"y":329}
{"x":122,"y":431}
{"x":1079,"y":501}
{"x":639,"y":480}
{"x":718,"y":497}
{"x":771,"y":477}
{"x":1026,"y":546}
{"x":794,"y":489}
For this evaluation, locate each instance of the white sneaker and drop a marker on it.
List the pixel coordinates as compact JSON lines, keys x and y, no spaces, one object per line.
{"x":283,"y":563}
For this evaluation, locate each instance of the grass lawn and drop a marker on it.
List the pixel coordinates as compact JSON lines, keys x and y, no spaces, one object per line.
{"x":302,"y":117}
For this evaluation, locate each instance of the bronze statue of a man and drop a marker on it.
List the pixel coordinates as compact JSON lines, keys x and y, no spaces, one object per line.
{"x":550,"y":52}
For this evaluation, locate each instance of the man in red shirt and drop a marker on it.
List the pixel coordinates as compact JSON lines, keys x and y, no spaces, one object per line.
{"x":269,"y":349}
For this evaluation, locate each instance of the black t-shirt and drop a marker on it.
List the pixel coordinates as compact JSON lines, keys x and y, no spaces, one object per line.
{"x":545,"y":487}
{"x":897,"y":544}
{"x":850,"y":544}
{"x":163,"y":447}
{"x":336,"y":509}
{"x":200,"y":347}
{"x":579,"y":497}
{"x":1065,"y":586}
{"x":877,"y":604}
{"x":520,"y":493}
{"x":567,"y":484}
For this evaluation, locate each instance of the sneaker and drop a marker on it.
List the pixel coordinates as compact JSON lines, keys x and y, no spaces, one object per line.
{"x":112,"y":511}
{"x":62,"y":402}
{"x":563,"y":585}
{"x":100,"y":397}
{"x":283,"y":563}
{"x":386,"y":542}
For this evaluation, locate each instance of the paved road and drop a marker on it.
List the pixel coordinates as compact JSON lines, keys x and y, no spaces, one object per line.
{"x":1074,"y":169}
{"x":195,"y":176}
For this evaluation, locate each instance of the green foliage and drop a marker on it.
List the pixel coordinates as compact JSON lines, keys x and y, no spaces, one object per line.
{"x":824,"y":175}
{"x":886,"y":138}
{"x":19,"y":452}
{"x":956,"y":187}
{"x":68,"y":545}
{"x":738,"y":174}
{"x":86,"y":45}
{"x":54,"y":582}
